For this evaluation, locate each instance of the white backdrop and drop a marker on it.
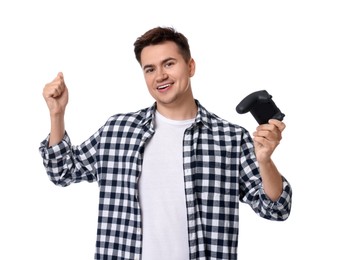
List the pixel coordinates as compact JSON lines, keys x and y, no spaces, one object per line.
{"x":287,"y":47}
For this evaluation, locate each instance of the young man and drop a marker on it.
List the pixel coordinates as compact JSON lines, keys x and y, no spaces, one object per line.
{"x":171,"y":176}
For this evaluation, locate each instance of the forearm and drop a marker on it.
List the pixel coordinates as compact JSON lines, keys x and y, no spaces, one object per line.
{"x":57,"y":129}
{"x":272,"y":180}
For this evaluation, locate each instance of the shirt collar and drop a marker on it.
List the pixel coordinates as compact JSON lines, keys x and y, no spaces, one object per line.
{"x":202,"y":117}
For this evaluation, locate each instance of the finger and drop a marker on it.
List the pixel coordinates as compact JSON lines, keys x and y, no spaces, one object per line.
{"x":59,"y":83}
{"x":273,"y":136}
{"x":56,"y":92}
{"x":58,"y":79}
{"x":52,"y":91}
{"x":266,"y":142}
{"x":60,"y":75}
{"x":279,"y":124}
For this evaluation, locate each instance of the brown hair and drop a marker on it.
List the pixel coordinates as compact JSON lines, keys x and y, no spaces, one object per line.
{"x":159,"y":35}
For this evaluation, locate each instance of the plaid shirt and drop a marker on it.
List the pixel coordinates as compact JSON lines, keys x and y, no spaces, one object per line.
{"x":220,"y":170}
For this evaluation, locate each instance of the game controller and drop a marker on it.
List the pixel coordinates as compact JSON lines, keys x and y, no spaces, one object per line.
{"x":261,"y":106}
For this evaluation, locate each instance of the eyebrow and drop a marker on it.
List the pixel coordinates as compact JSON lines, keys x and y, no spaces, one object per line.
{"x":162,"y":62}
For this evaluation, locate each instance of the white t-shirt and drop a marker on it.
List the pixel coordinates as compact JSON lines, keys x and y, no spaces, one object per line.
{"x":162,"y":195}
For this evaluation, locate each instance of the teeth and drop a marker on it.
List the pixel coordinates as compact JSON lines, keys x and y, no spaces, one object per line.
{"x":164,"y":86}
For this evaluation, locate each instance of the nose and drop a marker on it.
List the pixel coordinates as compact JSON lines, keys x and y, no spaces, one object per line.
{"x":161,"y":75}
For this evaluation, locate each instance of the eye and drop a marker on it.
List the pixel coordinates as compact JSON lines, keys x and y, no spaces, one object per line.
{"x":148,"y":70}
{"x":169,"y":64}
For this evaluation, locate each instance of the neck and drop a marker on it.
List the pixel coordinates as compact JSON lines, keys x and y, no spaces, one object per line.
{"x":185,"y":110}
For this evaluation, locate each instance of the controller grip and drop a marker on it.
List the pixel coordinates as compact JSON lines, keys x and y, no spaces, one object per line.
{"x":261,"y":106}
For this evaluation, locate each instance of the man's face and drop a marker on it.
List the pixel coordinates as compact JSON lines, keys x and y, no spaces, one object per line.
{"x":167,"y":74}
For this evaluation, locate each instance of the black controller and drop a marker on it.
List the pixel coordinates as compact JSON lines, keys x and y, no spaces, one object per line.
{"x":261,"y":106}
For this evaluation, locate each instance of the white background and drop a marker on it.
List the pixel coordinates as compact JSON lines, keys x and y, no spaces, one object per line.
{"x":287,"y":47}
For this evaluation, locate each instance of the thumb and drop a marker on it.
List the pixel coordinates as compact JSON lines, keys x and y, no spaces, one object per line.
{"x":279,"y":124}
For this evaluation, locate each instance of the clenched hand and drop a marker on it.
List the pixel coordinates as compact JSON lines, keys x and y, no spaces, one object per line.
{"x":55,"y":94}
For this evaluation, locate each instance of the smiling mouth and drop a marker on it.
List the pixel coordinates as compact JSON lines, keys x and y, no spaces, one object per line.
{"x":164,"y":86}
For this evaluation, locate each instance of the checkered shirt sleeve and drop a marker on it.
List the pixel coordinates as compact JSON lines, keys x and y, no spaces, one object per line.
{"x":66,"y":164}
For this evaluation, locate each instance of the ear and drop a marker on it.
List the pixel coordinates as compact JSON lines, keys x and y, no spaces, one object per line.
{"x":192,"y":67}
